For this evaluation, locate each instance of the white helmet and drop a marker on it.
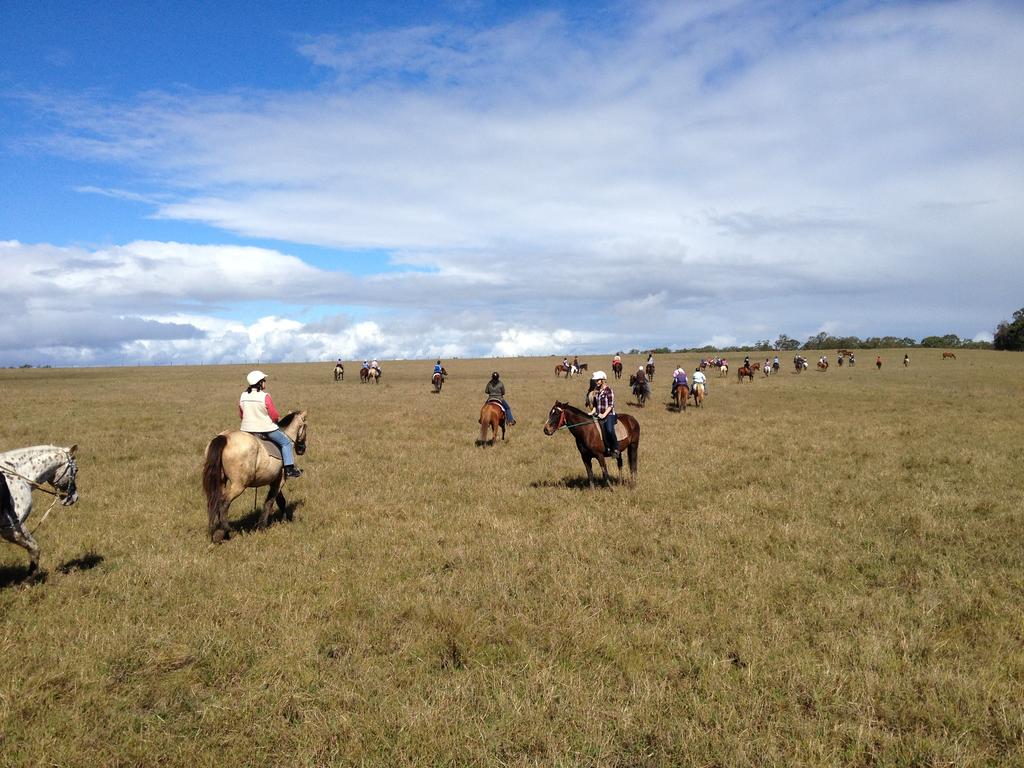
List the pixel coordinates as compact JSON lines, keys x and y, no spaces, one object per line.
{"x":598,"y":375}
{"x":255,"y":377}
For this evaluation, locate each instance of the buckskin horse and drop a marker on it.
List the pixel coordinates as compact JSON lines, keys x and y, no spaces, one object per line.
{"x":590,"y":441}
{"x":373,"y":374}
{"x":491,"y":415}
{"x":237,"y":460}
{"x":24,"y":470}
{"x":698,"y":395}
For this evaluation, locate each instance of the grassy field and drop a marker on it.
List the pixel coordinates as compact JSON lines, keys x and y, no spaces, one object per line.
{"x":817,"y":569}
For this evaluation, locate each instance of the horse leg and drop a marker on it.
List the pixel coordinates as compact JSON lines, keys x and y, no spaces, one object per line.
{"x":16,"y":534}
{"x":219,"y":529}
{"x":272,"y":494}
{"x":604,"y":471}
{"x":502,"y":423}
{"x":588,"y":463}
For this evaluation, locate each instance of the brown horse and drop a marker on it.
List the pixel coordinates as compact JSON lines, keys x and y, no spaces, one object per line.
{"x":364,"y":375}
{"x":639,"y":387}
{"x":949,"y":355}
{"x":491,"y":415}
{"x":560,"y":369}
{"x":438,"y":380}
{"x":681,"y":396}
{"x":744,"y":370}
{"x":590,"y":441}
{"x":698,"y":395}
{"x":617,"y":369}
{"x":237,"y":460}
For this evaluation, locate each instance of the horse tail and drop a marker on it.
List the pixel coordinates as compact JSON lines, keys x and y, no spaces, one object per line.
{"x":213,"y":478}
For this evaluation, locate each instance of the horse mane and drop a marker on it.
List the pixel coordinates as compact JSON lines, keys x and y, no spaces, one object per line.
{"x":286,"y":420}
{"x":572,"y":408}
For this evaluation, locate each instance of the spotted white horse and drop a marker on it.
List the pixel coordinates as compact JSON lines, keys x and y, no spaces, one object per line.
{"x":27,"y":469}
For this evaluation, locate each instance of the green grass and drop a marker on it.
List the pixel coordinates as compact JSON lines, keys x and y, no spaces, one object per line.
{"x":816,"y":569}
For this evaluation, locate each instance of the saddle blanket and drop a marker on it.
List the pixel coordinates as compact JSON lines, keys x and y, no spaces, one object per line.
{"x":270,"y":447}
{"x":621,"y":433}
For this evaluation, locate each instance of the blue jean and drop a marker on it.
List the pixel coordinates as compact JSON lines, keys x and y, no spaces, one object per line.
{"x":282,"y":441}
{"x":508,"y":410}
{"x":608,"y":425}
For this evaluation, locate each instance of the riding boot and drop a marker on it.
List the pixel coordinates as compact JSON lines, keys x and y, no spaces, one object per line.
{"x":292,"y":471}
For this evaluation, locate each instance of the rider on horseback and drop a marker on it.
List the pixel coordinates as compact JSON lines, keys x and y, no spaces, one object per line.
{"x":679,"y":379}
{"x":495,"y":390}
{"x":604,"y":410}
{"x":700,"y":378}
{"x":260,"y":417}
{"x":640,"y":382}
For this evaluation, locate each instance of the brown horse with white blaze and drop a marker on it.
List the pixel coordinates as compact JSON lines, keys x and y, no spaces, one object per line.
{"x":237,"y":460}
{"x":590,"y":441}
{"x":492,"y":415}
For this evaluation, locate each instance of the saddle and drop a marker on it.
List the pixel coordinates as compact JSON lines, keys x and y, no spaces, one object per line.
{"x":269,"y":446}
{"x":621,"y":433}
{"x":495,"y":400}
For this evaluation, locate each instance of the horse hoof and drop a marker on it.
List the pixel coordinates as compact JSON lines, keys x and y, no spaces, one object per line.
{"x":217,"y":536}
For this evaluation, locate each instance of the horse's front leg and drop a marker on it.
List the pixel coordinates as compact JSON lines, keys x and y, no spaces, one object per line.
{"x":604,"y":471}
{"x":588,"y":463}
{"x":282,"y":507}
{"x":272,"y":493}
{"x":16,"y":534}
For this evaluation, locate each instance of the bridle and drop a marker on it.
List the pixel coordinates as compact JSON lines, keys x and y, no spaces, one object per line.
{"x":66,"y":494}
{"x":561,"y":421}
{"x":300,"y":439}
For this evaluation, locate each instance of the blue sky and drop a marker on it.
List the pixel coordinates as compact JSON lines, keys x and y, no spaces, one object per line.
{"x":219,"y":182}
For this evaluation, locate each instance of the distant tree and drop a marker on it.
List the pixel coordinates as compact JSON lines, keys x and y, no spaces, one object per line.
{"x":785,"y":343}
{"x":634,"y":351}
{"x":950,"y":340}
{"x":1010,"y":335}
{"x":763,"y":346}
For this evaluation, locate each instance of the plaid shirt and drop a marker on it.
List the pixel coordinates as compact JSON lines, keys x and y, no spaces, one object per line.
{"x":604,"y":400}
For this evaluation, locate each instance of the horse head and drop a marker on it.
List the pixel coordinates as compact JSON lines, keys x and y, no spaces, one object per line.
{"x":66,"y":476}
{"x":556,"y":419}
{"x":294,"y":425}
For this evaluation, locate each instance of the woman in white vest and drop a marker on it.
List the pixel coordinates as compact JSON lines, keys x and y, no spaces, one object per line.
{"x":259,"y":415}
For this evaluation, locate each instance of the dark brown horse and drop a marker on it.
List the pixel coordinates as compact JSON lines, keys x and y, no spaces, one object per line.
{"x":438,"y":380}
{"x":364,"y":375}
{"x":491,"y":415}
{"x":590,"y":441}
{"x":744,"y":370}
{"x":650,"y":371}
{"x":617,"y":369}
{"x":639,"y":387}
{"x":237,"y":460}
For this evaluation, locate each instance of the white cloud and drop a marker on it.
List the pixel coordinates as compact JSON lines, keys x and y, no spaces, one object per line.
{"x":709,"y":170}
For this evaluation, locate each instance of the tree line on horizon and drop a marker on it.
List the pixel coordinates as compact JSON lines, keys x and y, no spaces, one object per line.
{"x":1009,"y":335}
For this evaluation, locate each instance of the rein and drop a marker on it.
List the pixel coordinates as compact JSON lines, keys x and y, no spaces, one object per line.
{"x":35,"y":485}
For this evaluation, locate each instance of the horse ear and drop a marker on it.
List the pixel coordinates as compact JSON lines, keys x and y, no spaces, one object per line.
{"x":72,"y":449}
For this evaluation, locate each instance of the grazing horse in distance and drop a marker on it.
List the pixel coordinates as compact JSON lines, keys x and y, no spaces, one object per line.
{"x":744,"y":370}
{"x":24,"y":470}
{"x":617,"y":369}
{"x":590,"y":442}
{"x":438,"y":379}
{"x":491,"y":415}
{"x":949,"y":355}
{"x":339,"y":372}
{"x":237,"y":460}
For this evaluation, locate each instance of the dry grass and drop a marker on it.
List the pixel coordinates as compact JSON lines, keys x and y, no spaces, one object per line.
{"x":817,"y":569}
